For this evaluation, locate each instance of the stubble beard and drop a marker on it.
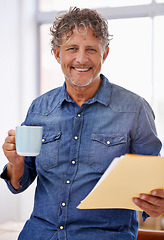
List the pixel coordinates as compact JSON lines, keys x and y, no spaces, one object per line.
{"x":69,"y":78}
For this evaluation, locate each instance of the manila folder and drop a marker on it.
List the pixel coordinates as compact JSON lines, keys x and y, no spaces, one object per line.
{"x":125,"y":178}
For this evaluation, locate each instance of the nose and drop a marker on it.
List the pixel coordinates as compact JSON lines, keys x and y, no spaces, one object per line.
{"x":81,"y":57}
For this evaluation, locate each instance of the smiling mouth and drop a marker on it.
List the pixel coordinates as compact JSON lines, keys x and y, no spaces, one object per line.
{"x":82,"y":69}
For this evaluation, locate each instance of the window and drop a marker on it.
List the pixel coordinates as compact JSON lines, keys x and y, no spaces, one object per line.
{"x":160,"y":1}
{"x":50,"y":72}
{"x":159,"y":75}
{"x":50,"y":5}
{"x":129,"y":60}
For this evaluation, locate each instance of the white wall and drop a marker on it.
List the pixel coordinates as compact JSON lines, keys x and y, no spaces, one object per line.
{"x":17,"y":88}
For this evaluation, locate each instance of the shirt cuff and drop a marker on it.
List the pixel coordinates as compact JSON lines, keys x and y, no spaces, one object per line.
{"x":4,"y":173}
{"x":22,"y":181}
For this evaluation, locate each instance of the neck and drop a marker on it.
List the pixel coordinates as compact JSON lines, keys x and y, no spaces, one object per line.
{"x":81,"y":94}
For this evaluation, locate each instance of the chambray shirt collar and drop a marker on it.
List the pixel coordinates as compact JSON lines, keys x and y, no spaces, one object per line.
{"x":102,"y":95}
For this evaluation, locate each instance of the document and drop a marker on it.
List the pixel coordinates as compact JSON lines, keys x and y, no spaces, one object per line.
{"x":126,"y":177}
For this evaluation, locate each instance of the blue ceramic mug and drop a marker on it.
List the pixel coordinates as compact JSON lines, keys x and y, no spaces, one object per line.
{"x":28,"y":140}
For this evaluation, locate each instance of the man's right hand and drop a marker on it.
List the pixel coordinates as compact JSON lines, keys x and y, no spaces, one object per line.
{"x":9,"y":148}
{"x":15,"y":168}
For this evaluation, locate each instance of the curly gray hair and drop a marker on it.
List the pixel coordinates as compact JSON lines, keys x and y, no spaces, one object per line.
{"x":75,"y":18}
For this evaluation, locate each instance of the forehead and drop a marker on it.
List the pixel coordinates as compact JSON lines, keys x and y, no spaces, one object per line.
{"x":79,"y":35}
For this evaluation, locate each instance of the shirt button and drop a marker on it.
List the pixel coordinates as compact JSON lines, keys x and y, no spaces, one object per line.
{"x":68,"y":182}
{"x":108,"y":142}
{"x":61,"y":227}
{"x":43,"y":140}
{"x":76,"y":137}
{"x":73,"y":162}
{"x":79,"y":115}
{"x":63,"y":204}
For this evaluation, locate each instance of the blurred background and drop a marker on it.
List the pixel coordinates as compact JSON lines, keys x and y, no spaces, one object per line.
{"x":28,"y":69}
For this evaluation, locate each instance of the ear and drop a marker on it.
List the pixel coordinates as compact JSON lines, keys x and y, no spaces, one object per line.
{"x":57,"y":54}
{"x":105,"y":54}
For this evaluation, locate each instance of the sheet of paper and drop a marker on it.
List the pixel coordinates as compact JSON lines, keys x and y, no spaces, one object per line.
{"x":125,"y":178}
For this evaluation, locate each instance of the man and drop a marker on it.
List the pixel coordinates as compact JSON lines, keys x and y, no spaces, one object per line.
{"x":86,"y":124}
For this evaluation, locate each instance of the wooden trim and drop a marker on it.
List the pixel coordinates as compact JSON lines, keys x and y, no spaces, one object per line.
{"x":150,"y":235}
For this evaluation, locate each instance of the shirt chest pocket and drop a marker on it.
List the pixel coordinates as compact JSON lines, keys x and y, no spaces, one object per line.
{"x":104,"y":148}
{"x":48,"y":157}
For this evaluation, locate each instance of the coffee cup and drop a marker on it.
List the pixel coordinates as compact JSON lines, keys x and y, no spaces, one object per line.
{"x":28,"y":140}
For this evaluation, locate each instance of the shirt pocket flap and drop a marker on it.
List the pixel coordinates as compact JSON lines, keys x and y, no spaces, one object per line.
{"x":109,"y":139}
{"x":51,"y":137}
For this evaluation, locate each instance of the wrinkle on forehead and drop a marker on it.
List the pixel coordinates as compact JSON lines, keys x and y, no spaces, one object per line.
{"x":81,"y":29}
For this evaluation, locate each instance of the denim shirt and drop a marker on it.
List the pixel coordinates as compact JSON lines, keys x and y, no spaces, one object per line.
{"x":75,"y":153}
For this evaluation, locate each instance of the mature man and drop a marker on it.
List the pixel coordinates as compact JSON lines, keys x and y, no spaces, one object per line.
{"x":86,"y":124}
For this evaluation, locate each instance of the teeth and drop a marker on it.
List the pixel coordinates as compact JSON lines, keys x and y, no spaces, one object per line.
{"x":82,"y":69}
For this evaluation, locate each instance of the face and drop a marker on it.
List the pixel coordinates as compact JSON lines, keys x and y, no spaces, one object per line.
{"x":81,"y":58}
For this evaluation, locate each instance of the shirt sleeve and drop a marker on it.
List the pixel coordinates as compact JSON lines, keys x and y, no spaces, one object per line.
{"x":29,"y":168}
{"x":27,"y":178}
{"x":145,"y":140}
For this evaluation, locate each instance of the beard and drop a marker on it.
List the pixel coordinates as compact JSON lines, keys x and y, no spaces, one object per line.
{"x":70,"y":79}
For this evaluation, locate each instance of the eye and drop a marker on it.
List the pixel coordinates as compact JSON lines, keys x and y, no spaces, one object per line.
{"x":91,"y":50}
{"x":72,"y":49}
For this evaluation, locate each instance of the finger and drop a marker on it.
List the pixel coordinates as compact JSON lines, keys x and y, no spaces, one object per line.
{"x":153,"y":211}
{"x":158,"y":193}
{"x":9,"y":146}
{"x":11,"y":132}
{"x":10,"y":139}
{"x":9,"y":143}
{"x":143,"y":204}
{"x":11,"y":154}
{"x":157,"y":201}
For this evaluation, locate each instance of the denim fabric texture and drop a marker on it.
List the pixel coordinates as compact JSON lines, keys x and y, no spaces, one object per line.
{"x":75,"y":153}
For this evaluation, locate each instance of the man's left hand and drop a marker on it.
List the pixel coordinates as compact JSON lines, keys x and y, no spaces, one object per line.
{"x":152,"y":204}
